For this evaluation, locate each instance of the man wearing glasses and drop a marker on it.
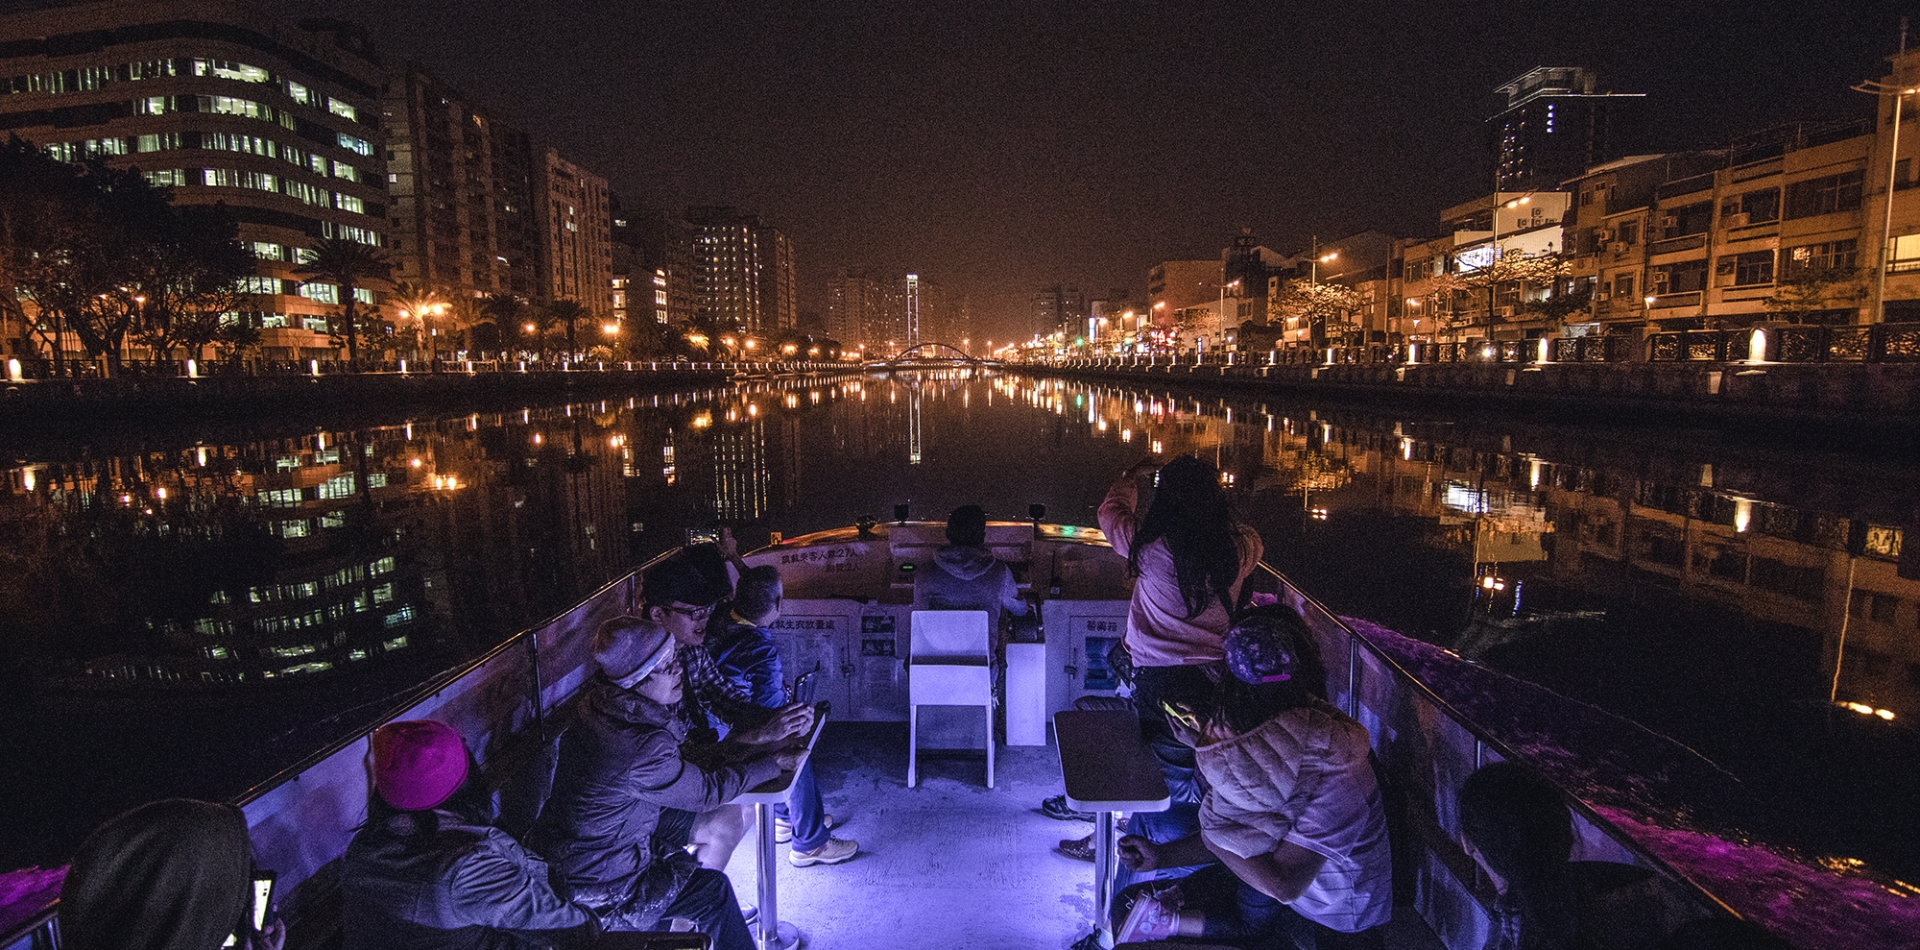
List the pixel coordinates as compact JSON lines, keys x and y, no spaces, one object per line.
{"x":627,"y":785}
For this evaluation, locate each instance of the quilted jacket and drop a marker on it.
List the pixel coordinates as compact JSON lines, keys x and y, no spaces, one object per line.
{"x":1304,"y":776}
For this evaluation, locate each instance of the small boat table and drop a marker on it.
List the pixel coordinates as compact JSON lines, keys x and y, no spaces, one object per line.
{"x":1108,"y":769}
{"x":768,"y":932}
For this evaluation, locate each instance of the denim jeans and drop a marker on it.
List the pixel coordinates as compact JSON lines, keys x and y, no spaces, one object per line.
{"x":805,"y":811}
{"x":708,"y":901}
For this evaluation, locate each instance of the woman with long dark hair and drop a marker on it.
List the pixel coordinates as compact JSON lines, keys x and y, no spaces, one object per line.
{"x":1189,"y":557}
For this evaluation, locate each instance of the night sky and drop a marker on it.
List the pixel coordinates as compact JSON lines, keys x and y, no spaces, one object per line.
{"x":998,"y":146}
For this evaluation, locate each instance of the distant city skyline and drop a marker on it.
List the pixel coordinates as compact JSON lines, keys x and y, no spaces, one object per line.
{"x":1002,"y":148}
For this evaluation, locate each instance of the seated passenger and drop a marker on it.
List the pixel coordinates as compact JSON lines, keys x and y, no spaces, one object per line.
{"x":1517,"y":826}
{"x":621,"y":777}
{"x":1291,"y":810}
{"x":965,"y":576}
{"x":428,"y":870}
{"x":744,"y":654}
{"x":170,"y":875}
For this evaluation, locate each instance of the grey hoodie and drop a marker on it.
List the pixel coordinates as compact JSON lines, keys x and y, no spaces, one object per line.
{"x":968,"y":578}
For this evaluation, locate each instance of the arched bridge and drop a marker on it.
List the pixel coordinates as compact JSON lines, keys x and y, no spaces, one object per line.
{"x":932,"y":353}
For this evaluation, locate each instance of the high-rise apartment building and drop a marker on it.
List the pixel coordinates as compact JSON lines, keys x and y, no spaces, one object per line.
{"x":856,"y":310}
{"x":1060,"y":309}
{"x":461,"y":183}
{"x":225,"y":103}
{"x":743,"y":272}
{"x":653,"y":265}
{"x":1555,"y":126}
{"x":573,"y":218}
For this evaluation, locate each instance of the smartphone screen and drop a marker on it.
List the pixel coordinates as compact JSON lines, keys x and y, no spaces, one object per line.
{"x":703,"y":535}
{"x":262,"y":903}
{"x":262,"y":899}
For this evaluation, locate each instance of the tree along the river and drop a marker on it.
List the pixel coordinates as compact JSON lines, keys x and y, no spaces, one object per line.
{"x":347,"y":265}
{"x":103,"y":255}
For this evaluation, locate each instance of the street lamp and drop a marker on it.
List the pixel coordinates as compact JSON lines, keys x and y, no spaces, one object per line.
{"x":1221,"y":314}
{"x":1899,"y":95}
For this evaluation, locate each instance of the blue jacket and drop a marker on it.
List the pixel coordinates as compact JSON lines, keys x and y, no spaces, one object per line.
{"x":745,"y":656}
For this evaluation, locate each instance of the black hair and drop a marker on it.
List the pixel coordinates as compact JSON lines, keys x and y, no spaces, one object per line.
{"x":1190,"y":512}
{"x":967,"y":526}
{"x":685,"y":579}
{"x":1519,"y":823}
{"x":758,"y":593}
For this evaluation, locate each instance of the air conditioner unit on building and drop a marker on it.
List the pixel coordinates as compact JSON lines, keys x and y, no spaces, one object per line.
{"x":1603,"y":295}
{"x":1505,"y":313}
{"x":1604,"y":235}
{"x":1669,"y":222}
{"x":1618,"y":247}
{"x":1736,"y":220}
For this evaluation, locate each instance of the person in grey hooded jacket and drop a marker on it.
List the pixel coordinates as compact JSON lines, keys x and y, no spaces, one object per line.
{"x":965,"y":576}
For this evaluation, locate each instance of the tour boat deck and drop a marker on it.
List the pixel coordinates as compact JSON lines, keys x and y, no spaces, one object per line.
{"x":950,"y":863}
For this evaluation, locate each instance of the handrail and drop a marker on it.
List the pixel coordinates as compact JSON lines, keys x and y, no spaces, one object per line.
{"x":40,"y":931}
{"x":1482,"y":739}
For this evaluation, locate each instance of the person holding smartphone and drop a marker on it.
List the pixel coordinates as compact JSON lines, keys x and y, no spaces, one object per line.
{"x":171,"y":875}
{"x":1293,"y":834}
{"x":429,"y":871}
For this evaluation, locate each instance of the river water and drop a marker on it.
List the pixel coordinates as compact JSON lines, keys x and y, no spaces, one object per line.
{"x":186,"y":612}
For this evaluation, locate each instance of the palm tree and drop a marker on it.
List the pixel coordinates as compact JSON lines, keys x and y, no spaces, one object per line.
{"x":418,"y":304}
{"x":506,"y":311}
{"x":345,"y":264}
{"x":568,"y":310}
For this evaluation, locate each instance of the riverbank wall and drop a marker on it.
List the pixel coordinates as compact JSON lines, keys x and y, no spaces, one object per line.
{"x":1860,"y":396}
{"x":61,"y":406}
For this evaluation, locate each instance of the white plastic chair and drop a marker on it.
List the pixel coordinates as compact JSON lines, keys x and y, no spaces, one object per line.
{"x":950,"y":665}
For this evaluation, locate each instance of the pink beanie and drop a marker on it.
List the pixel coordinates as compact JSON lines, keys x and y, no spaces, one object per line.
{"x":417,"y":764}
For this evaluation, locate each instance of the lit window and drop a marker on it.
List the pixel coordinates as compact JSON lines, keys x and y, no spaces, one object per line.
{"x":342,"y":109}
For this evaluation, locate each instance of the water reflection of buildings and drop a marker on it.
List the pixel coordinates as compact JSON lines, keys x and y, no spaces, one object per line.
{"x":1524,"y":518}
{"x":285,"y":559}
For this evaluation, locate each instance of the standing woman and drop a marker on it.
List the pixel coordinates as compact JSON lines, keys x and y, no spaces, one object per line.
{"x":1188,"y":557}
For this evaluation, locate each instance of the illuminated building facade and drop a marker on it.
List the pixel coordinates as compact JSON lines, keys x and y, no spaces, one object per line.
{"x":224,"y":103}
{"x":743,"y":271}
{"x":573,"y":217}
{"x":1556,"y":126}
{"x":461,"y":185}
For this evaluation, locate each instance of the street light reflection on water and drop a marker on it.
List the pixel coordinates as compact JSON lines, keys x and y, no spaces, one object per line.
{"x":288,"y":582}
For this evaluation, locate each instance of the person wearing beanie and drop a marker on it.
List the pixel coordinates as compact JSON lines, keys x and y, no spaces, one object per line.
{"x":617,"y":821}
{"x":428,"y":871}
{"x":169,"y":875}
{"x":1293,"y":834}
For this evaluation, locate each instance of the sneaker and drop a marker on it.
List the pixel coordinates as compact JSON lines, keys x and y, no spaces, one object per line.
{"x":749,"y":912}
{"x":1057,"y":808}
{"x":835,"y":851}
{"x":783,"y":829}
{"x":1148,"y":920}
{"x":1079,"y":849}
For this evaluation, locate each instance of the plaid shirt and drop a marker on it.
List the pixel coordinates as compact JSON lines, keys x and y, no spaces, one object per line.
{"x":707,"y":690}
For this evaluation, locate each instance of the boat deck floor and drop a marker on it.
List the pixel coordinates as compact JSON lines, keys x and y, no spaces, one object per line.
{"x":950,"y":863}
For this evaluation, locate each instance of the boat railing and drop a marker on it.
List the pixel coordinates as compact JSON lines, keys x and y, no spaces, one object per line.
{"x":1427,"y":748}
{"x":302,"y":817}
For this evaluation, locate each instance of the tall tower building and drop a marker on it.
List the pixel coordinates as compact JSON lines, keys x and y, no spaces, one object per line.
{"x":225,"y":103}
{"x":461,"y":182}
{"x":1556,"y":126}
